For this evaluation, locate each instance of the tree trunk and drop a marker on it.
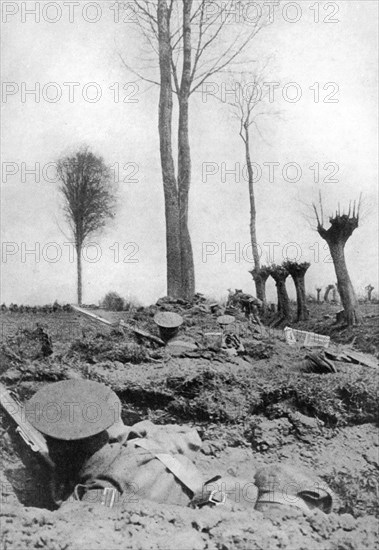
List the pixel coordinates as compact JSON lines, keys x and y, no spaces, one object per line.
{"x":334,"y":295}
{"x":173,"y":244}
{"x":260,"y":288}
{"x":279,"y":274}
{"x":326,"y":295}
{"x":260,"y":282}
{"x":345,"y":287}
{"x":302,"y":310}
{"x":297,"y":272}
{"x":283,"y":299}
{"x":253,"y":211}
{"x":184,"y":179}
{"x":79,"y":273}
{"x":340,"y":230}
{"x":184,"y":159}
{"x":260,"y":277}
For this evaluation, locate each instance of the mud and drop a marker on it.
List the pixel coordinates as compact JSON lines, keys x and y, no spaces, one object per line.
{"x":251,"y":410}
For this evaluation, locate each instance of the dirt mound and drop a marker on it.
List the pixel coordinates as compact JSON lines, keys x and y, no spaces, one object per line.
{"x":142,"y":525}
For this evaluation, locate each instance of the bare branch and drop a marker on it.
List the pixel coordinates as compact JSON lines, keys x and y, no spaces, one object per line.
{"x":202,"y":30}
{"x":146,"y":10}
{"x":317,"y":217}
{"x":321,"y":208}
{"x":359,"y":205}
{"x":141,"y":77}
{"x":220,"y":64}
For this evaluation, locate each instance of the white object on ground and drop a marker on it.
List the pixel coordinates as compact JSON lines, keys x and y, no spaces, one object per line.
{"x":303,"y":338}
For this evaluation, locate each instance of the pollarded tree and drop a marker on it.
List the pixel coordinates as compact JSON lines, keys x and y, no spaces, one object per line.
{"x":89,"y":199}
{"x":340,"y":230}
{"x":327,"y":292}
{"x":260,"y":276}
{"x":369,"y":288}
{"x":190,"y":39}
{"x":297,"y":272}
{"x":318,"y":290}
{"x":279,"y":273}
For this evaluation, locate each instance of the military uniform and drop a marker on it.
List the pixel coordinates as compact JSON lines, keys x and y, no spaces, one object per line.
{"x":100,"y":460}
{"x":135,"y":462}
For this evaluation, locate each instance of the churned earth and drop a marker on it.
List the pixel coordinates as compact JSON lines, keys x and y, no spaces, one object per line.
{"x":262,"y":407}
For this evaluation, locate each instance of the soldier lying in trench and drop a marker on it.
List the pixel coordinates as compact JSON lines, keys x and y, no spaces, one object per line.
{"x":100,"y":460}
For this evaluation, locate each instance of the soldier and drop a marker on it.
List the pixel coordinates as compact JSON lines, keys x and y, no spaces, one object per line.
{"x":100,"y":460}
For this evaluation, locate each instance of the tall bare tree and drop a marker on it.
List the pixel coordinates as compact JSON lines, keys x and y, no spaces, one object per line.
{"x":248,"y":106}
{"x":190,"y":39}
{"x":340,"y":230}
{"x":89,"y":199}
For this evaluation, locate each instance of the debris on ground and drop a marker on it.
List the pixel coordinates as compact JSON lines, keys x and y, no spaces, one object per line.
{"x":232,"y":344}
{"x":360,"y":359}
{"x":304,"y":338}
{"x":318,"y":362}
{"x":257,"y":408}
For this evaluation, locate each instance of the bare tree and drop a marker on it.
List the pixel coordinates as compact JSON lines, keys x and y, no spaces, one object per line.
{"x":297,"y":272}
{"x":89,"y":199}
{"x":248,"y":106}
{"x":340,"y":230}
{"x":192,"y":45}
{"x":279,"y":273}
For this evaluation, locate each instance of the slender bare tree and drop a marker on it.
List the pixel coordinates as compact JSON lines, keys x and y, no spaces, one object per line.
{"x":193,"y":42}
{"x":89,"y":199}
{"x":248,"y":106}
{"x":340,"y":230}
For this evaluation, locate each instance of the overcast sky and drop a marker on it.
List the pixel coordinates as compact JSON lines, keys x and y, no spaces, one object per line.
{"x":328,"y":121}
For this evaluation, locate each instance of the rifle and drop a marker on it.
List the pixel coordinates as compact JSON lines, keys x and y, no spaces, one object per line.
{"x":119,"y":324}
{"x":32,"y":437}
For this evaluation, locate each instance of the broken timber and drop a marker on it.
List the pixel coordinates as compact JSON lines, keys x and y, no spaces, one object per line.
{"x":117,"y":324}
{"x":349,"y":356}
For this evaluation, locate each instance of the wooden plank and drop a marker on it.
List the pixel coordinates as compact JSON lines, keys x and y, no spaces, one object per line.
{"x":361,"y":359}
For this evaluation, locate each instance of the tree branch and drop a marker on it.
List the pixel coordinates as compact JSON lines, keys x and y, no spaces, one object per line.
{"x":141,"y":77}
